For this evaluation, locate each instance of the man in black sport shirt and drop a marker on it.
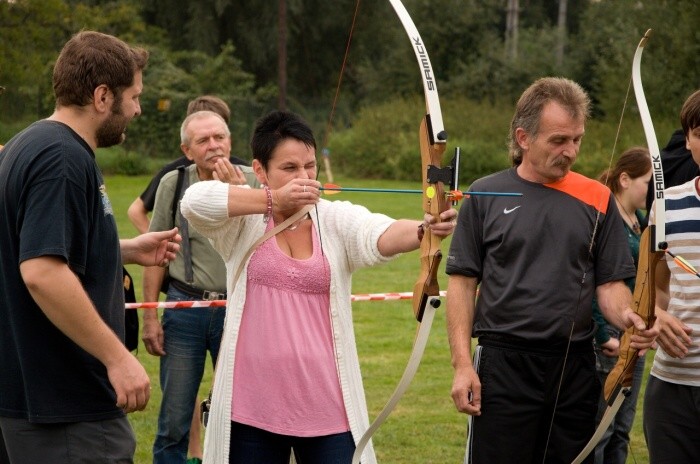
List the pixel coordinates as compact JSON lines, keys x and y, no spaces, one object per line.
{"x":530,"y":256}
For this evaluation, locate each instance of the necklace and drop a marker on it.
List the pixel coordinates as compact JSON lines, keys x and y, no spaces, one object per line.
{"x":633,"y":222}
{"x":296,"y":224}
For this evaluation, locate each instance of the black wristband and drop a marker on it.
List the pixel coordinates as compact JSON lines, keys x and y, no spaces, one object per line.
{"x":421,"y":232}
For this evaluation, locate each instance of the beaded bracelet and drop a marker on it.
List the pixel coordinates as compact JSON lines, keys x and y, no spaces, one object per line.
{"x":268,"y":214}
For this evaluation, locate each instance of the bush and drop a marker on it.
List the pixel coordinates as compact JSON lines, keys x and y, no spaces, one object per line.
{"x":116,"y":160}
{"x":9,"y":130}
{"x":383,"y":141}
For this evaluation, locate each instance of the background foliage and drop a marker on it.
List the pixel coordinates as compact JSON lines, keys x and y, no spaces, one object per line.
{"x":229,"y":48}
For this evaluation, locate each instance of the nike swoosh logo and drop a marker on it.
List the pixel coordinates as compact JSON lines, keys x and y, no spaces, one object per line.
{"x":508,"y":211}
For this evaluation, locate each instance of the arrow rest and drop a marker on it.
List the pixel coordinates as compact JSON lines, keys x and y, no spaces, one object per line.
{"x":448,"y":175}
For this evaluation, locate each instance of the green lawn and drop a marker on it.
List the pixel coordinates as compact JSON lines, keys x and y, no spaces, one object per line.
{"x":425,"y":427}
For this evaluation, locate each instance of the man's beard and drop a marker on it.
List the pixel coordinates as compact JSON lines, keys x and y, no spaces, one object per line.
{"x":111,"y":132}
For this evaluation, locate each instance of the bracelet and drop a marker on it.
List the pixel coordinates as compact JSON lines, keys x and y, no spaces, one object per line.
{"x":268,"y":214}
{"x":421,"y":232}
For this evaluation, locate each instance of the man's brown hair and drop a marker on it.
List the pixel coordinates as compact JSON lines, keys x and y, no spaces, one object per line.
{"x":690,"y":113}
{"x":90,"y":59}
{"x":210,"y":103}
{"x":528,"y":111}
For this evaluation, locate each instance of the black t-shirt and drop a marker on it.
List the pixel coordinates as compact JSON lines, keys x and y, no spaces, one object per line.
{"x":53,"y":202}
{"x":531,"y":253}
{"x":149,"y":195}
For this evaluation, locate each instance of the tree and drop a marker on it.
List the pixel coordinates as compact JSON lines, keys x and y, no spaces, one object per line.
{"x":511,"y":36}
{"x":33,"y":32}
{"x":610,"y":32}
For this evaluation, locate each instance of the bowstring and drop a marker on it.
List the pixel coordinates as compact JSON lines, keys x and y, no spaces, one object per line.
{"x":329,"y":125}
{"x":591,"y":244}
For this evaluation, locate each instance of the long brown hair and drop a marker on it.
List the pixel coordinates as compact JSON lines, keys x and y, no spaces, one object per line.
{"x":634,"y":161}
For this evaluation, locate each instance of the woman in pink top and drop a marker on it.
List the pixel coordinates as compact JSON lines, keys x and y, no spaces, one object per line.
{"x":288,"y":374}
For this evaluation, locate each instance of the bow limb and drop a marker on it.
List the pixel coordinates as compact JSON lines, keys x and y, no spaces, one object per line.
{"x":433,"y":139}
{"x":651,"y":250}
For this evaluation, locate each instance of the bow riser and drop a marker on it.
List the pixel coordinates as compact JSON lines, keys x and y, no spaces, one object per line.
{"x":643,"y":304}
{"x":433,"y":203}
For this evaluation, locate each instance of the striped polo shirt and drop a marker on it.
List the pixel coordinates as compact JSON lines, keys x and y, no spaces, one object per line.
{"x":683,"y":238}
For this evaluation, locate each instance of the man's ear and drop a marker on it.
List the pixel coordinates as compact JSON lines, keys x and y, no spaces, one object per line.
{"x":102,"y":98}
{"x":186,"y":151}
{"x":522,"y":138}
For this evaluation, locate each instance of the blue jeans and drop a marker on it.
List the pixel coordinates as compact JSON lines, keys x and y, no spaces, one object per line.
{"x":188,"y":334}
{"x":613,"y":447}
{"x":251,"y":445}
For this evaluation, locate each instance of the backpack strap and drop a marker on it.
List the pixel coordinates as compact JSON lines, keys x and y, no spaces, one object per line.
{"x":182,"y":183}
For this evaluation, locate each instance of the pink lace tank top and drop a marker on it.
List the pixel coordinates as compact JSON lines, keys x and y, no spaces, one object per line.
{"x":285,"y":375}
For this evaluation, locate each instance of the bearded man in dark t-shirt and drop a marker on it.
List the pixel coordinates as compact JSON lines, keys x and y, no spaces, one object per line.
{"x":62,"y":354}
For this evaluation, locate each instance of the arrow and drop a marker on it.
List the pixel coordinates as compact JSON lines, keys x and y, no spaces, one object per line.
{"x":332,"y":189}
{"x":681,"y":262}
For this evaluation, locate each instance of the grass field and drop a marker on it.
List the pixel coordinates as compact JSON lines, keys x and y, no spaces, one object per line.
{"x":425,"y":427}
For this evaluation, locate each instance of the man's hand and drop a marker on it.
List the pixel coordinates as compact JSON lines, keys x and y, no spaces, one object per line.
{"x":130,"y":382}
{"x":152,"y":334}
{"x":226,"y":172}
{"x":151,"y":248}
{"x":674,"y":336}
{"x":611,"y":348}
{"x":466,"y":391}
{"x":644,"y":338}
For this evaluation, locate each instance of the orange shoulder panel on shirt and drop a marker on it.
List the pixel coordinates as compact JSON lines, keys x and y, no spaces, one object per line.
{"x":587,"y":190}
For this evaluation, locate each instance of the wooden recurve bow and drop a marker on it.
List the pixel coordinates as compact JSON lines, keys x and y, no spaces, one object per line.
{"x":651,"y":250}
{"x":426,"y":293}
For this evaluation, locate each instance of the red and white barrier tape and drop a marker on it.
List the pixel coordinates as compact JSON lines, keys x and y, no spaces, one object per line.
{"x":215,"y":303}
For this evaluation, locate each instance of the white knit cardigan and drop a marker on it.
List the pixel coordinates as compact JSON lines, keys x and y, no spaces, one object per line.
{"x":349,"y":235}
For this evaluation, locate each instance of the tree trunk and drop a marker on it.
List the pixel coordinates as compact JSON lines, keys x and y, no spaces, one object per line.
{"x":561,"y":32}
{"x":511,"y":38}
{"x":282,"y":54}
